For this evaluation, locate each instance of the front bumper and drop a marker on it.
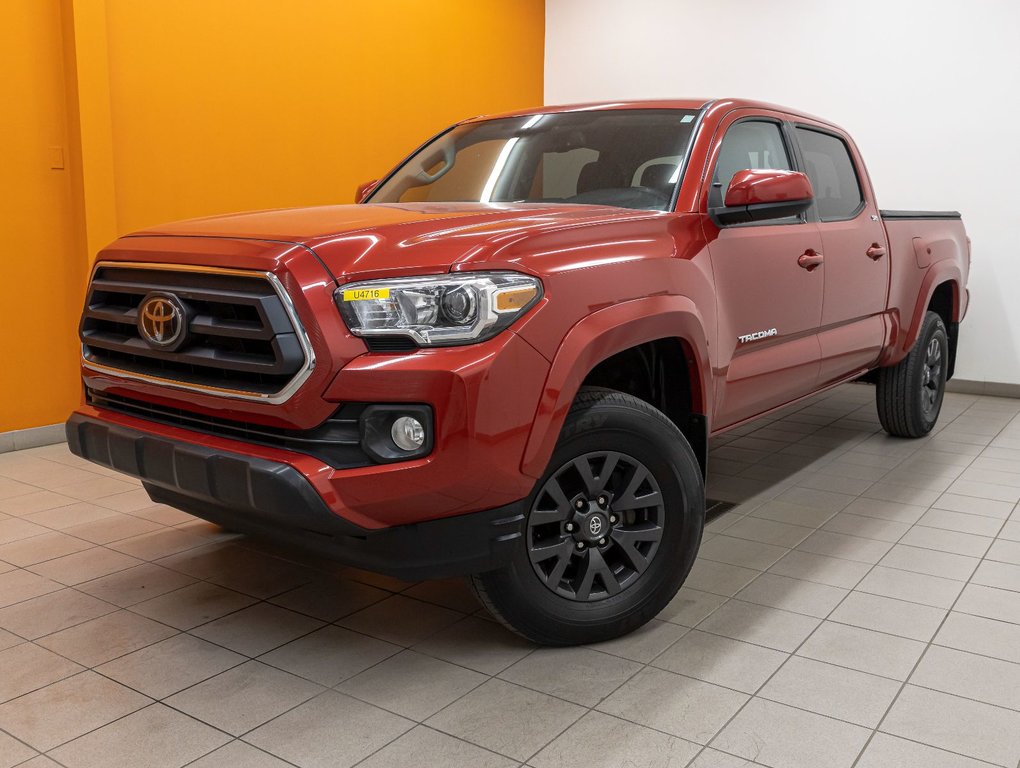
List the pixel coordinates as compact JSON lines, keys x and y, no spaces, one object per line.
{"x":267,"y":498}
{"x":217,"y":461}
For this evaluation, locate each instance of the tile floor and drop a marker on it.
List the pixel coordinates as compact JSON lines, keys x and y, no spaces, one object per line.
{"x":859,"y":607}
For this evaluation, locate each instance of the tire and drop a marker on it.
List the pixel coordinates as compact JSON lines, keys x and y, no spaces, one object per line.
{"x":909,"y":394}
{"x":599,"y":580}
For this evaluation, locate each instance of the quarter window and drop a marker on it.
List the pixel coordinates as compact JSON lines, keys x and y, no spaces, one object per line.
{"x":831,"y":170}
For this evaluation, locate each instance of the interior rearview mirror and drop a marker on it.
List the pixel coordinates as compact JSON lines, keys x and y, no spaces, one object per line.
{"x":763,"y":195}
{"x":364,"y":190}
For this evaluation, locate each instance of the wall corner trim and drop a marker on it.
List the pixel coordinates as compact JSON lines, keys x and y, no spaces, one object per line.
{"x":91,"y":120}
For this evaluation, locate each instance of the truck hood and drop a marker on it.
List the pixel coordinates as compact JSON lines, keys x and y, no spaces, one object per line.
{"x":407,"y":238}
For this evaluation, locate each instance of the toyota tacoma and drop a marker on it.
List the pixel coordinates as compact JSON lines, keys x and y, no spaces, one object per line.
{"x":506,"y":360}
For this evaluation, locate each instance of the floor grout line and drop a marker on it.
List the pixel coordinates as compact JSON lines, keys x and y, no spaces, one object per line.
{"x":832,"y":453}
{"x":924,"y":652}
{"x":790,"y":655}
{"x":794,"y":652}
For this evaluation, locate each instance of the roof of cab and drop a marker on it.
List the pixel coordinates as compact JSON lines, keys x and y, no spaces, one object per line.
{"x":723,"y":104}
{"x":595,"y":106}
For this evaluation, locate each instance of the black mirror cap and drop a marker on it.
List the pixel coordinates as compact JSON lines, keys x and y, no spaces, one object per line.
{"x":746,"y":214}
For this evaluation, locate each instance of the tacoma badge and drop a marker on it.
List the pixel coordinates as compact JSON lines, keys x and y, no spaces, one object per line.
{"x":757,"y":335}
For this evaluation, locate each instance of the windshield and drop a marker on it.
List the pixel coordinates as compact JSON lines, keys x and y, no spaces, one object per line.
{"x":629,"y":158}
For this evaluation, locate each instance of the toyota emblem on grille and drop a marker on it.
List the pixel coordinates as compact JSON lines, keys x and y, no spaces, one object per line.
{"x":162,"y":320}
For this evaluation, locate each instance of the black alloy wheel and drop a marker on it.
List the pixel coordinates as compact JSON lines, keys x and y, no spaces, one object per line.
{"x":595,"y":526}
{"x":909,"y":394}
{"x":931,"y":379}
{"x":614,"y":525}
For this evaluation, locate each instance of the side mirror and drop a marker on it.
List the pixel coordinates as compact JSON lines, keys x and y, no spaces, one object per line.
{"x":763,"y":195}
{"x":364,"y":190}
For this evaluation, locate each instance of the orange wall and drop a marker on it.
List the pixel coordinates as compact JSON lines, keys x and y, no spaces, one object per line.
{"x":195,"y":107}
{"x":223,"y":106}
{"x":41,"y":264}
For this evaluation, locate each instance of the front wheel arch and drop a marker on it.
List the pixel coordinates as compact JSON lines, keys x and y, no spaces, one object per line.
{"x":600,"y":336}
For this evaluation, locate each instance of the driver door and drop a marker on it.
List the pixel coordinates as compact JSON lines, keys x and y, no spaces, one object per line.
{"x":769,"y":297}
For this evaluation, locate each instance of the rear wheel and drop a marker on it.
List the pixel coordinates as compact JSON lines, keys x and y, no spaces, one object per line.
{"x":909,"y":394}
{"x":613,"y":527}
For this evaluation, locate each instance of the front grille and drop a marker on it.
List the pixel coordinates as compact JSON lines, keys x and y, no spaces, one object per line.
{"x":241,"y":337}
{"x":336,"y":442}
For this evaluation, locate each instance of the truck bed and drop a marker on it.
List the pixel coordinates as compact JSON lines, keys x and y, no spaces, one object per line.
{"x":888,"y":215}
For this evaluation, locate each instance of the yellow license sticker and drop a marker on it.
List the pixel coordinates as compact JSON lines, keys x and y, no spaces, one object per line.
{"x":366,"y":294}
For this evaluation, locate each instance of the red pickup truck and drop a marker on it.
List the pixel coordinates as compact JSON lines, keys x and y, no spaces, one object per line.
{"x":507,"y":359}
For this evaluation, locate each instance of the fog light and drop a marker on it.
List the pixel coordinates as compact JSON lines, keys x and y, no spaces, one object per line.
{"x":408,"y":434}
{"x":396,"y":431}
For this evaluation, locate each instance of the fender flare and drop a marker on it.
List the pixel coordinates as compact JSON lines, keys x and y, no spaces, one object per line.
{"x":937,"y":274}
{"x":598,"y":337}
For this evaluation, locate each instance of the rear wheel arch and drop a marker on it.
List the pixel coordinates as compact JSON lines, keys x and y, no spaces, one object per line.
{"x":938,"y":292}
{"x":945,"y":302}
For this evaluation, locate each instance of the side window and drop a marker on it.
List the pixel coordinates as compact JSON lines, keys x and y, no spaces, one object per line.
{"x":749,"y":144}
{"x":831,"y":170}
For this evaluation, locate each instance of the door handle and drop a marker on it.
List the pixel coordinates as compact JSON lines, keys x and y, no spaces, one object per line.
{"x":875,"y":252}
{"x":810,"y":259}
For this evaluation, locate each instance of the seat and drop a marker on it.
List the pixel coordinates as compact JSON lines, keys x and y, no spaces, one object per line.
{"x":658,"y":177}
{"x":600,"y":174}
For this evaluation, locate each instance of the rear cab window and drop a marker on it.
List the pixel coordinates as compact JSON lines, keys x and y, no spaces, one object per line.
{"x":830,"y":168}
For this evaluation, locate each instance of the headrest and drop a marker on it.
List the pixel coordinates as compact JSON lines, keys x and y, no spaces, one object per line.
{"x":657,"y":176}
{"x":600,"y":174}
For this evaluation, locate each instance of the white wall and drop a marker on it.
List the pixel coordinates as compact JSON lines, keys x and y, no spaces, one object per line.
{"x":929,"y":90}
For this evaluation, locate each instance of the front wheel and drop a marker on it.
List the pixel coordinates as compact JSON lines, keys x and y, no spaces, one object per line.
{"x":909,"y":394}
{"x":613,"y":527}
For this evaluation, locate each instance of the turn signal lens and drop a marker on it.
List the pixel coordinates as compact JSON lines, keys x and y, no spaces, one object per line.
{"x":514,"y":299}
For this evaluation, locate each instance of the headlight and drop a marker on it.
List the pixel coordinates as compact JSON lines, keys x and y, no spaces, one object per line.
{"x":438,"y":311}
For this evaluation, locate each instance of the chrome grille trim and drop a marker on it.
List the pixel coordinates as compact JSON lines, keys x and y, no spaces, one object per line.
{"x":281,"y":396}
